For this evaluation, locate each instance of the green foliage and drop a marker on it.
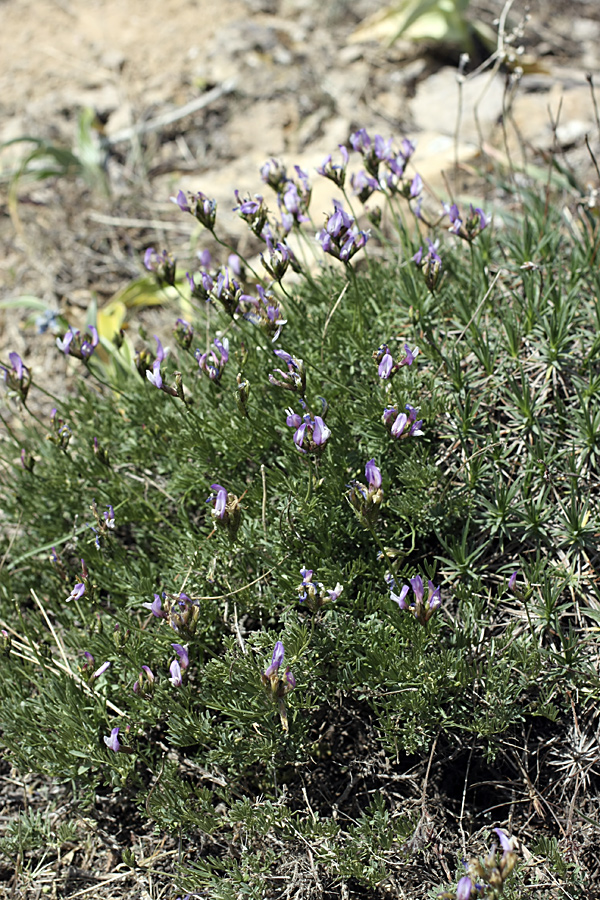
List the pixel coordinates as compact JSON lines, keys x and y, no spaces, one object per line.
{"x":502,"y":479}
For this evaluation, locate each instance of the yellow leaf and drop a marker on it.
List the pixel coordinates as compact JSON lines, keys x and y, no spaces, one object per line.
{"x":109,"y":319}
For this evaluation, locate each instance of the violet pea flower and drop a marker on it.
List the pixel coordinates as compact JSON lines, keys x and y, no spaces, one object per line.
{"x":276,"y":660}
{"x":101,"y":670}
{"x":400,"y":598}
{"x":77,"y":592}
{"x":386,"y":365}
{"x":418,"y":589}
{"x":464,"y":888}
{"x":112,"y":741}
{"x":154,"y":377}
{"x":321,"y":433}
{"x":335,"y":593}
{"x":182,"y":653}
{"x":155,"y":607}
{"x":17,"y":364}
{"x":220,"y":501}
{"x":175,"y":670}
{"x":373,"y":475}
{"x":64,"y":344}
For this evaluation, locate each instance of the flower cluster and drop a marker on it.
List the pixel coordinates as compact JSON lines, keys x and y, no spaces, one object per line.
{"x":313,"y":593}
{"x":340,"y":237}
{"x":421,"y":608}
{"x":295,"y":377}
{"x":211,"y":364}
{"x":293,"y":196}
{"x":18,"y":377}
{"x":104,"y":522}
{"x":396,"y":422}
{"x":74,"y":344}
{"x":466,"y":228}
{"x":385,"y":361}
{"x":334,"y":172}
{"x":162,"y":265}
{"x":227,"y":510}
{"x":154,"y":375}
{"x":366,"y":499}
{"x":88,"y":669}
{"x":430,"y":263}
{"x":200,"y":206}
{"x":264,"y":311}
{"x":253,"y":212}
{"x":180,"y":612}
{"x":311,"y":433}
{"x":81,"y":586}
{"x":144,"y":686}
{"x":183,"y":333}
{"x":377,"y":152}
{"x":279,"y":258}
{"x":490,"y":872}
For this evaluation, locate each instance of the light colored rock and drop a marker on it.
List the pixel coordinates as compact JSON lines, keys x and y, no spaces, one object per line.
{"x":436,"y":104}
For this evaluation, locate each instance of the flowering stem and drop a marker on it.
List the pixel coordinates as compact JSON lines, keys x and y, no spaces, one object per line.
{"x":384,"y":555}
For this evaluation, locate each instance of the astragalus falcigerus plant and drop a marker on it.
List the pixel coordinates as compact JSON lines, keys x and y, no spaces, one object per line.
{"x":306,"y":580}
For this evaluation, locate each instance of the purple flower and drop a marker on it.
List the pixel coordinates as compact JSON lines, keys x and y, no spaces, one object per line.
{"x":211,"y":364}
{"x":65,"y":343}
{"x":200,"y":206}
{"x":101,"y":670}
{"x":175,"y":670}
{"x":220,"y":501}
{"x":112,"y":741}
{"x":273,"y":173}
{"x":156,"y":607}
{"x":279,"y":259}
{"x":400,"y":598}
{"x":254,"y":212}
{"x":512,"y":581}
{"x":335,"y":173}
{"x":154,"y":376}
{"x":181,"y":202}
{"x":504,"y":840}
{"x":484,"y":220}
{"x":340,"y":237}
{"x":162,"y":265}
{"x":182,"y":653}
{"x":88,"y":347}
{"x":161,"y":354}
{"x":360,"y":141}
{"x":276,"y":660}
{"x":73,"y":344}
{"x":145,"y":680}
{"x":386,"y":365}
{"x":464,"y":888}
{"x":17,"y":365}
{"x":335,"y":593}
{"x":321,"y":433}
{"x":310,"y":435}
{"x":396,"y":422}
{"x":109,"y":517}
{"x":77,"y":592}
{"x":421,"y":608}
{"x":373,"y":475}
{"x":363,"y":185}
{"x":416,"y":186}
{"x":18,"y":377}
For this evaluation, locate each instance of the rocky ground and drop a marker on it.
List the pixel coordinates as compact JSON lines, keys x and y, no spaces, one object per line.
{"x":195,"y":94}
